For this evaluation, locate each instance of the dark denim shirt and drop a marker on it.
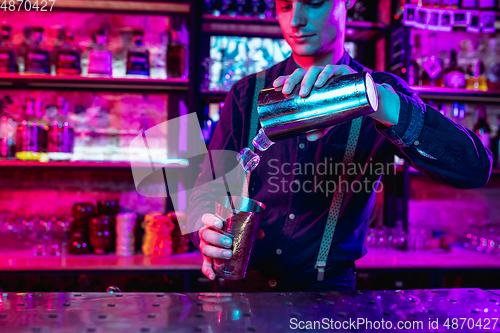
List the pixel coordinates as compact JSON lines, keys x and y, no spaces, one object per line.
{"x":295,"y":218}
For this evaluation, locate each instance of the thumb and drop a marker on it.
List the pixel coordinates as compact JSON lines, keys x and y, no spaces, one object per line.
{"x":318,"y":134}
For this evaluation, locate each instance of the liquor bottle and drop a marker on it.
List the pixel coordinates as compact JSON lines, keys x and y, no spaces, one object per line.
{"x":482,"y":128}
{"x":454,"y":76}
{"x":176,"y":53}
{"x":7,"y":129}
{"x":138,"y":57}
{"x":68,"y":57}
{"x":476,"y":79}
{"x":414,"y":77}
{"x":61,"y":134}
{"x":495,"y":147}
{"x":492,"y":63}
{"x":31,"y":134}
{"x":99,"y":56}
{"x":433,"y":66}
{"x":37,"y":58}
{"x":7,"y":54}
{"x":469,"y":4}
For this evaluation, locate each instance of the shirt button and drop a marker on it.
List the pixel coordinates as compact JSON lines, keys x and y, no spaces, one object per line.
{"x":278,"y":251}
{"x":272,"y":283}
{"x":291,"y":216}
{"x":416,"y":143}
{"x":302,"y":146}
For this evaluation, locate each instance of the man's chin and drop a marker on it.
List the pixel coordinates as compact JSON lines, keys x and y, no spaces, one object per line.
{"x":304,"y":51}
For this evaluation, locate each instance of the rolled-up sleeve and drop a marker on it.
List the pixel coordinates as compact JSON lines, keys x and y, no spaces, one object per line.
{"x":435,"y":145}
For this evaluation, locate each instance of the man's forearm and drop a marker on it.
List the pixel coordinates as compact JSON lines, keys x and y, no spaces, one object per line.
{"x":388,"y":105}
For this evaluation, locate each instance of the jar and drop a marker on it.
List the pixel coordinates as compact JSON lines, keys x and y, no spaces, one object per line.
{"x":107,"y":207}
{"x":162,"y":227}
{"x":180,"y":242}
{"x":148,"y":241}
{"x":82,"y":213}
{"x":79,"y":244}
{"x":100,"y":233}
{"x":125,"y":234}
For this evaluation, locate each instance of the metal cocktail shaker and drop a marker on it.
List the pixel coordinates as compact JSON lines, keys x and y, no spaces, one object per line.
{"x":241,"y":218}
{"x":341,"y":99}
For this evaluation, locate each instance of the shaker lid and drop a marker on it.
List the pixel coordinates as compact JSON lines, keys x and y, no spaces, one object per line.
{"x":371,"y":92}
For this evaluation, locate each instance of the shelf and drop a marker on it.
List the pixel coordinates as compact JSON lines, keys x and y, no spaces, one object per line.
{"x":458,"y":95}
{"x":255,"y":27}
{"x":374,"y":260}
{"x":169,"y":164}
{"x":21,"y":81}
{"x":121,"y":6}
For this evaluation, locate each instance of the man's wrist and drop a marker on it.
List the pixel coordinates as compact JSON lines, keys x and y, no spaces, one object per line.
{"x":388,"y":106}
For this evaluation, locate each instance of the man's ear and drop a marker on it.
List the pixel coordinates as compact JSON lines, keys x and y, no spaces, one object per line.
{"x":349,"y":4}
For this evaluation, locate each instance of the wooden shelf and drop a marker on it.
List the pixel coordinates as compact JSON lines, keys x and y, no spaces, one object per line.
{"x":374,"y":260}
{"x":458,"y":95}
{"x":255,"y":27}
{"x":169,"y":164}
{"x":121,"y":6}
{"x":216,"y":96}
{"x":21,"y":81}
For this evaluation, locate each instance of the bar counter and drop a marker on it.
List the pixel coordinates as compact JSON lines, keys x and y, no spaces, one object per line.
{"x":394,"y":311}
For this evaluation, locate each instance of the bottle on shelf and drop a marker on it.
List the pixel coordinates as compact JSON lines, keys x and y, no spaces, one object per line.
{"x":414,"y":77}
{"x":37,"y":58}
{"x":99,"y":56}
{"x":31,"y":134}
{"x":482,"y":128}
{"x":138,"y":57}
{"x":454,"y":76}
{"x":433,"y":65}
{"x":61,"y":134}
{"x":68,"y":57}
{"x":7,"y":53}
{"x":176,"y":52}
{"x":495,"y":147}
{"x":492,"y":63}
{"x":7,"y":130}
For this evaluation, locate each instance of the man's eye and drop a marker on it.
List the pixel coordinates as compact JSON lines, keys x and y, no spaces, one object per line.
{"x":316,"y":4}
{"x":286,"y":7}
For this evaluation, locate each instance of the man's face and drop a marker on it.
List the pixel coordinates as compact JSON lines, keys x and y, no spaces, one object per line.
{"x":312,"y":27}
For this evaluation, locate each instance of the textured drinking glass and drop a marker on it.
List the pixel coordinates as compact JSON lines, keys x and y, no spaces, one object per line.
{"x":241,"y":218}
{"x":248,"y":159}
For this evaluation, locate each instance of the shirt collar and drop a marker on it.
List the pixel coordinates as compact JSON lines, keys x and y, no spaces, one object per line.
{"x":292,"y":66}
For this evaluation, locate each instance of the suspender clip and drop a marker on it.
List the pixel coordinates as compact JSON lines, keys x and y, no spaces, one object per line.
{"x":320,"y":266}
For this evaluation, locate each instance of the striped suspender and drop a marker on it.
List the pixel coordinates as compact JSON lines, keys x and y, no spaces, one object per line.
{"x":338,"y":197}
{"x":254,"y":122}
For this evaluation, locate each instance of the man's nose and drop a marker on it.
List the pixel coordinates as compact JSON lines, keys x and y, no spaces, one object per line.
{"x":298,"y":18}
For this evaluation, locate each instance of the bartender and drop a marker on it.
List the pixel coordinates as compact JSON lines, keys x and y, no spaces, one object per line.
{"x":300,"y":212}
